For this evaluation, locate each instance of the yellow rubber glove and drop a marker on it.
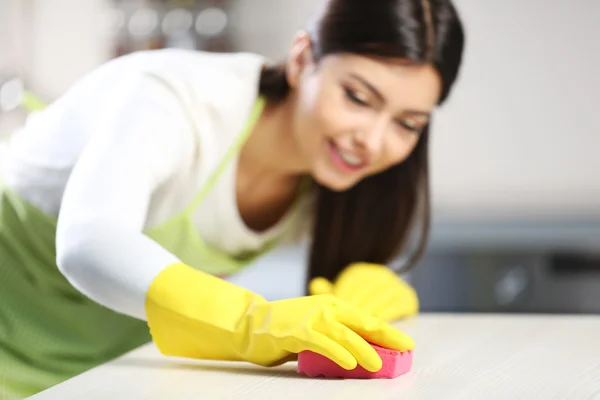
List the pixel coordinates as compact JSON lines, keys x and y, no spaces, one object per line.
{"x":195,"y":315}
{"x":373,"y":288}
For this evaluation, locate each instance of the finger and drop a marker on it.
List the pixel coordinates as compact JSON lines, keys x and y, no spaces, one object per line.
{"x":386,"y":297}
{"x":400,"y":306}
{"x":375,"y":330}
{"x":319,"y":286}
{"x":370,"y":298}
{"x":349,"y":284}
{"x":392,"y":314}
{"x":353,"y":280}
{"x":284,"y":360}
{"x":386,"y":306}
{"x":325,"y":346}
{"x":360,"y":349}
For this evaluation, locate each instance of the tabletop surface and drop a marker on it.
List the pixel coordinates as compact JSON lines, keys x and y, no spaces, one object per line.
{"x":457,"y":356}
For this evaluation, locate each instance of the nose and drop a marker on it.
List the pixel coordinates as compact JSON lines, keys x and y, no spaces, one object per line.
{"x":371,"y":139}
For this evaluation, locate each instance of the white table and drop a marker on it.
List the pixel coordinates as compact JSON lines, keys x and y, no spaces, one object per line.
{"x":457,"y":357}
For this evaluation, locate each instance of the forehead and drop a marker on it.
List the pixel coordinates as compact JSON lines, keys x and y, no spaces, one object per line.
{"x":401,"y":84}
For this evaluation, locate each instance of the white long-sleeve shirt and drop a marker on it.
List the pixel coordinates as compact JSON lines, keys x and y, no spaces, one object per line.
{"x":124,"y":150}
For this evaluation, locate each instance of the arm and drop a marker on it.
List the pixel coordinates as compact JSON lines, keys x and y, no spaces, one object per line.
{"x":139,"y":143}
{"x":101,"y":250}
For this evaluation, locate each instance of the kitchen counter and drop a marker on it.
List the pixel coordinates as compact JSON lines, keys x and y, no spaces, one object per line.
{"x":457,"y":356}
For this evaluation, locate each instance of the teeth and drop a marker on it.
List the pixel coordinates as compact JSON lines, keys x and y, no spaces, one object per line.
{"x":350,"y":158}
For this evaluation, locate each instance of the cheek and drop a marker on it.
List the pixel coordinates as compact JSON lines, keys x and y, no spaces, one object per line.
{"x":397,"y":150}
{"x":328,"y":108}
{"x":320,"y":118}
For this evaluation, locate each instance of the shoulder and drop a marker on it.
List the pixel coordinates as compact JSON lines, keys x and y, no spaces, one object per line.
{"x":217,"y":90}
{"x":194,"y":75}
{"x":211,"y":93}
{"x":220,"y":87}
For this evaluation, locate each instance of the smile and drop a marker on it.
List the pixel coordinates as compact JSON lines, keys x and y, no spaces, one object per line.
{"x":345,"y":161}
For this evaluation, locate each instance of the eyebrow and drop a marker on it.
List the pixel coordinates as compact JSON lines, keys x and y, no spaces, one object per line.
{"x":378,"y":94}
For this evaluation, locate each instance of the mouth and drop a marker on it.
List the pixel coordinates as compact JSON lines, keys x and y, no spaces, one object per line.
{"x":344,"y":160}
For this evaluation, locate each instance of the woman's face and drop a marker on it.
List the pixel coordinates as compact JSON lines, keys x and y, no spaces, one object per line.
{"x":357,"y":116}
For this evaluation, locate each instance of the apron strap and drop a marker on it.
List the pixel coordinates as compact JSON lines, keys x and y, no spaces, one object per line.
{"x":233,"y":150}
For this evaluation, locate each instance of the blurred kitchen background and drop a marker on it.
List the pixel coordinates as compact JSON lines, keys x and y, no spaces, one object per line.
{"x":514,"y":161}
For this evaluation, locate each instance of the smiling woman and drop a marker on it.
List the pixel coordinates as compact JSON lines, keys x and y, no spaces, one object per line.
{"x":366,"y":80}
{"x":125,"y":201}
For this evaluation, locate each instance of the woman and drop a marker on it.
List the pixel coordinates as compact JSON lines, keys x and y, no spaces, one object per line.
{"x":128,"y":200}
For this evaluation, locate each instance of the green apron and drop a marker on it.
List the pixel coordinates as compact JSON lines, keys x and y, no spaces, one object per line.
{"x":49,"y":331}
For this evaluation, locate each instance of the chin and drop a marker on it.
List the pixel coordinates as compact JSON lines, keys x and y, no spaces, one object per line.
{"x":334,"y":183}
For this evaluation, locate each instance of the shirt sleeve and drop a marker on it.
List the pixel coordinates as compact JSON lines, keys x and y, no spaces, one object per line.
{"x":138,"y":142}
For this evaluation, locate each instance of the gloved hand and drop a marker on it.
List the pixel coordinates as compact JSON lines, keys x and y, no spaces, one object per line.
{"x":373,"y":288}
{"x":193,"y":314}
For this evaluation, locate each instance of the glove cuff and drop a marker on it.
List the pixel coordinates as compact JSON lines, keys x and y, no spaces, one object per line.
{"x":194,"y":314}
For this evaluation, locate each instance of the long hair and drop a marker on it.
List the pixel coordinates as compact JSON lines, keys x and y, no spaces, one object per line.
{"x":373,"y":221}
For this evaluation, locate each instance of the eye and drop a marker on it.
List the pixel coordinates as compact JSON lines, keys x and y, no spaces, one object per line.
{"x":355,"y":97}
{"x":411,"y":126}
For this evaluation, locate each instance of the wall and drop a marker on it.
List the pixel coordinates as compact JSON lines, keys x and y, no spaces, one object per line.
{"x":12,"y":54}
{"x":52,"y":43}
{"x":8,"y":39}
{"x":68,"y":42}
{"x":520,"y":135}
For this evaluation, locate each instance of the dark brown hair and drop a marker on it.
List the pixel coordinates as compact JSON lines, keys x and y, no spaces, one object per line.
{"x":374,"y":220}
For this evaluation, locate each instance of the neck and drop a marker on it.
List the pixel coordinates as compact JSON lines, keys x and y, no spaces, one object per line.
{"x":271,"y":150}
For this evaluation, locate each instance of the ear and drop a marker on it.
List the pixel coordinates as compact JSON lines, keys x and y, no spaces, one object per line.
{"x":299,"y":58}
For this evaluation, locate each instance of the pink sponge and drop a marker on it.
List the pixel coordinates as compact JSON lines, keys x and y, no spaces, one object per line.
{"x":395,"y":363}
